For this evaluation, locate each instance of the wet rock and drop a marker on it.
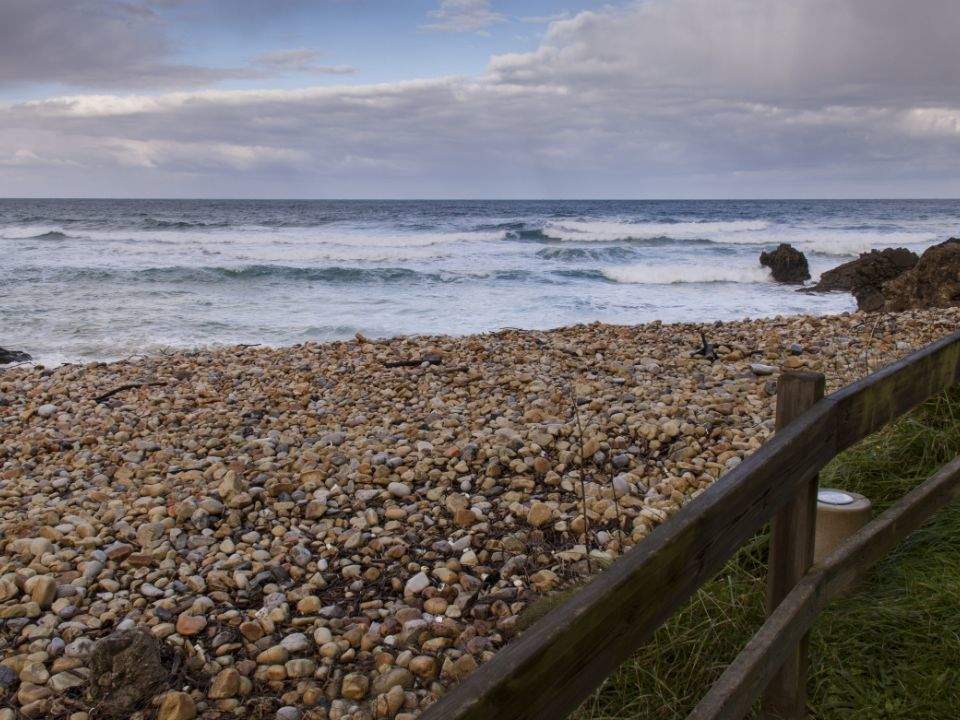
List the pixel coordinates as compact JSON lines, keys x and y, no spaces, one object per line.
{"x":934,"y":282}
{"x":787,"y":264}
{"x":865,"y":276}
{"x":13,"y":356}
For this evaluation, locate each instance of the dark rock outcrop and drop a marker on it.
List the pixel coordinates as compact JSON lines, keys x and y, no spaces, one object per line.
{"x":933,"y":282}
{"x":787,"y":264}
{"x":127,"y":669}
{"x":12,"y":356}
{"x":865,"y":276}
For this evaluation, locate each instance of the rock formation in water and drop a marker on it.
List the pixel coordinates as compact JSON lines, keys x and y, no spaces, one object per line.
{"x":787,"y":264}
{"x":865,"y":276}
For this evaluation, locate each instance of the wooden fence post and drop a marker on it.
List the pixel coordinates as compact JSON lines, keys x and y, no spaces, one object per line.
{"x":791,"y":551}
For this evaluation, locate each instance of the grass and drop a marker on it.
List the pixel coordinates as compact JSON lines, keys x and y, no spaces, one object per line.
{"x":890,"y":651}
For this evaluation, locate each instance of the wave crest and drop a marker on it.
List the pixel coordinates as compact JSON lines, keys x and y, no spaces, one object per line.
{"x":682,"y":274}
{"x":609,"y":230}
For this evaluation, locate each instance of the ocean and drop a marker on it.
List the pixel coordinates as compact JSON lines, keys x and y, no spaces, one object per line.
{"x":86,"y":280}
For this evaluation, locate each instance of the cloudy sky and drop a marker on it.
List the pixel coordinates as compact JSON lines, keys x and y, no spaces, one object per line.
{"x":479,"y":98}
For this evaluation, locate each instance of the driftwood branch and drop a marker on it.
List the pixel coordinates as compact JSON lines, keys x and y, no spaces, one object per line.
{"x":707,"y":349}
{"x":128,"y":386}
{"x":429,"y":358}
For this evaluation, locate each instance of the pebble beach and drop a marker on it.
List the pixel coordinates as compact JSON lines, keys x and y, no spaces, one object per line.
{"x":346,"y":530}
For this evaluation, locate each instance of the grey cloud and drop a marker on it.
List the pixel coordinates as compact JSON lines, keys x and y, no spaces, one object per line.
{"x":463,"y":16}
{"x":119,"y":44}
{"x":302,"y":60}
{"x":91,"y":44}
{"x":797,"y":52}
{"x":642,"y":101}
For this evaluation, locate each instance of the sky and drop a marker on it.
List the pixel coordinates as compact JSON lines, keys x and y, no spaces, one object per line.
{"x":479,"y":98}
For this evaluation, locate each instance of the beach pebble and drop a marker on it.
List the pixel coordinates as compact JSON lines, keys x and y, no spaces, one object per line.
{"x":177,"y":706}
{"x":345,"y":540}
{"x":399,"y":489}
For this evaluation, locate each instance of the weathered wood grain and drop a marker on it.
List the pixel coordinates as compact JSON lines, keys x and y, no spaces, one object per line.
{"x":550,"y":669}
{"x":734,"y":692}
{"x":555,"y":665}
{"x":792,"y":534}
{"x":869,"y":404}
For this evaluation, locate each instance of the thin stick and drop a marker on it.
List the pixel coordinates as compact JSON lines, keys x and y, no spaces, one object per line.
{"x":129,"y":386}
{"x":583,"y":484}
{"x":616,"y":504}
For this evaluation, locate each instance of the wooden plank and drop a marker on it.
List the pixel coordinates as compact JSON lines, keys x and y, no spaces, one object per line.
{"x":732,"y":695}
{"x":554,"y":666}
{"x":867,"y":405}
{"x":792,"y":535}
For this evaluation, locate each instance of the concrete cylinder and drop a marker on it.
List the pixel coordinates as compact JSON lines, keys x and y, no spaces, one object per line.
{"x":840,"y":513}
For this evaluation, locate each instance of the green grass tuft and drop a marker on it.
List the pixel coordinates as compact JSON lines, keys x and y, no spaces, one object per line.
{"x":889,"y":651}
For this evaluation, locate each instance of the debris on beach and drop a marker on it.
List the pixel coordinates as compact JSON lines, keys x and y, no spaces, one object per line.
{"x":346,"y":530}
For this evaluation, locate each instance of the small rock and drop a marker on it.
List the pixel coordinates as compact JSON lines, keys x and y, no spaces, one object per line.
{"x":417,"y":584}
{"x":225,"y":684}
{"x":354,"y":686}
{"x":392,"y":678}
{"x":63,"y":681}
{"x":295,"y":642}
{"x":177,"y":706}
{"x":539,"y":514}
{"x":47,"y":410}
{"x":42,"y":589}
{"x":189,"y":625}
{"x":398,"y":489}
{"x":34,"y":672}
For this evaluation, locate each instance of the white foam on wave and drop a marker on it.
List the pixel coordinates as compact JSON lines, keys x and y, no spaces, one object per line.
{"x":253,"y":234}
{"x":607,"y":230}
{"x":825,"y":240}
{"x":29,"y":232}
{"x":838,"y":243}
{"x":670,"y":274}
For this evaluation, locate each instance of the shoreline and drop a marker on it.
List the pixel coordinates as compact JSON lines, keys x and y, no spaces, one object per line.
{"x":307,"y":523}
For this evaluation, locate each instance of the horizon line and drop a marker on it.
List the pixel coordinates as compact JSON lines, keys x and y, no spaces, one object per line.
{"x":482,"y":199}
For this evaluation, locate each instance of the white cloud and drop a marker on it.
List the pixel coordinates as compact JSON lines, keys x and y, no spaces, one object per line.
{"x":933,"y":122}
{"x":660,"y":98}
{"x":463,"y":16}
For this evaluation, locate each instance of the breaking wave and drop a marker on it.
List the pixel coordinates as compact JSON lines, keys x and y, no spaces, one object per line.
{"x":678,"y":274}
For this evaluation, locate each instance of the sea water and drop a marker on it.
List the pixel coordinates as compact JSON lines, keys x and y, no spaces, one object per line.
{"x":88,"y":280}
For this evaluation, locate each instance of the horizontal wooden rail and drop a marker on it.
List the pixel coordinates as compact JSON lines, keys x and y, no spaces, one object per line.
{"x":734,"y":692}
{"x":556,"y":664}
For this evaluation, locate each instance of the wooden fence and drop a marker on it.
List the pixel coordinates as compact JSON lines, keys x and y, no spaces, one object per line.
{"x":555,"y":665}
